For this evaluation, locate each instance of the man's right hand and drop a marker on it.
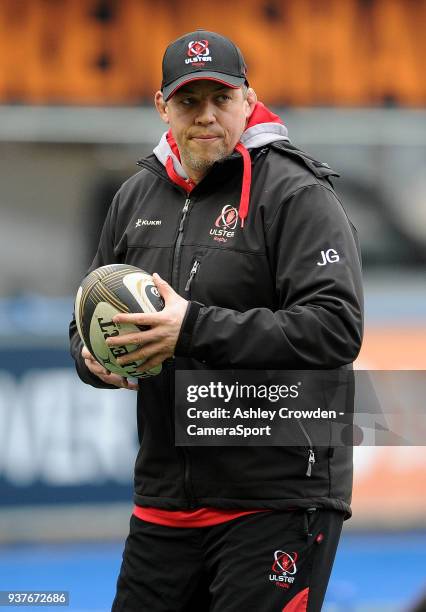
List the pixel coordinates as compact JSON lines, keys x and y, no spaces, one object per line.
{"x":107,"y":377}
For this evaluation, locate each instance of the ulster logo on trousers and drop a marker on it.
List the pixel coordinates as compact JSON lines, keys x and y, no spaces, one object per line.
{"x":284,"y":568}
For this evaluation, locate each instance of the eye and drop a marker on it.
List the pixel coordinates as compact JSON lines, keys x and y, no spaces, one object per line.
{"x":187,"y":101}
{"x":223,"y":98}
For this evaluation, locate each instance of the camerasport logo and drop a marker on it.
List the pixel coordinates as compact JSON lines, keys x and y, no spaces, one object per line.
{"x":198,"y":52}
{"x":225,"y":224}
{"x":283,"y":568}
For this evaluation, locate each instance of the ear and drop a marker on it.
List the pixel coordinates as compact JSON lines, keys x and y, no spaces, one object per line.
{"x":161,"y":106}
{"x":251,"y":100}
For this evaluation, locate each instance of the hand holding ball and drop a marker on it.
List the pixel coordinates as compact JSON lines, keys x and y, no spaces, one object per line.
{"x":104,"y":293}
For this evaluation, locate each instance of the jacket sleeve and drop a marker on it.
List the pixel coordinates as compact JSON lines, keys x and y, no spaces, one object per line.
{"x":106,"y":254}
{"x":314,"y":257}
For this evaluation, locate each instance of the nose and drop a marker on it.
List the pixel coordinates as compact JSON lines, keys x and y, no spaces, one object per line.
{"x":206,"y":113}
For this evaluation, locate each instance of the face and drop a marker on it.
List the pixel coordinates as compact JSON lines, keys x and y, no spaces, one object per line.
{"x":207,"y":120}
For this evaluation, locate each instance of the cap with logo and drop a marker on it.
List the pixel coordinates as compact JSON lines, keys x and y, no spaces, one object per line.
{"x":202,"y":55}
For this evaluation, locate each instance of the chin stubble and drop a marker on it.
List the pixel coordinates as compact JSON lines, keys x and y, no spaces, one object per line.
{"x":197,"y":162}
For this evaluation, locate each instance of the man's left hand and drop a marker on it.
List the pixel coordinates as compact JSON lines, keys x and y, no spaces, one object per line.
{"x":157,"y":343}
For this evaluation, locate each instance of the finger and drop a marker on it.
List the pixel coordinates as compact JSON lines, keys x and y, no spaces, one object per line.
{"x":119,"y":381}
{"x":135,"y":338}
{"x":152,"y":362}
{"x":86,"y":353}
{"x":92,"y":361}
{"x":142,"y":353}
{"x":108,"y":377}
{"x":127,"y":384}
{"x":165,"y":290}
{"x":96,"y":368}
{"x":138,"y":318}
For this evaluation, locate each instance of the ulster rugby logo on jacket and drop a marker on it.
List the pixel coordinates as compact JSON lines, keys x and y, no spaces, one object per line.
{"x":225,"y":224}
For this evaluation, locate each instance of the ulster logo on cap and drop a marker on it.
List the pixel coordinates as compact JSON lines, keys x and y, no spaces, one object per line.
{"x":198,"y":52}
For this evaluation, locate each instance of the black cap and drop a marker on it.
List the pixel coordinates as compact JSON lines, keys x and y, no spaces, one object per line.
{"x":202,"y":55}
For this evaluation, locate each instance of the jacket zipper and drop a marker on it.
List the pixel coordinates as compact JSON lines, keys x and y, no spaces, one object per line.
{"x":175,"y":284}
{"x":193,"y":272}
{"x":311,"y":453}
{"x":178,"y":243}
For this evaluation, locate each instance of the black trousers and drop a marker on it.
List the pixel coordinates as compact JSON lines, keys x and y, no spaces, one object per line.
{"x":265,"y":562}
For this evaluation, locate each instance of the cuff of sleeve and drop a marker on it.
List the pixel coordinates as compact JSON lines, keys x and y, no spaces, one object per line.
{"x":185,"y":336}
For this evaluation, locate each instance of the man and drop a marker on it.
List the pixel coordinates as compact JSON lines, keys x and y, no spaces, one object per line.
{"x":259,"y":268}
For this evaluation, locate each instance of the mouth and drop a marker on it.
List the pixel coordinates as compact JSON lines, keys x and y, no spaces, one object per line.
{"x":206,"y":137}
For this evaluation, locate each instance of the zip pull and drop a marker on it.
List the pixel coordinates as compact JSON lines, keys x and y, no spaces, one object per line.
{"x":184,"y":211}
{"x":311,"y":461}
{"x":193,"y":272}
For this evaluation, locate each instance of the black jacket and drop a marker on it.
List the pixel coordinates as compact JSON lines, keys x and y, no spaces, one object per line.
{"x":283,"y":292}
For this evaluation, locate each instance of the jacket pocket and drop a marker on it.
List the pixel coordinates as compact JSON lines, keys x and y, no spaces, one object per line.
{"x":310,"y":451}
{"x":191,"y":279}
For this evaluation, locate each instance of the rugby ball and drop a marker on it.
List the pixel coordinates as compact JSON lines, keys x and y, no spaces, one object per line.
{"x":108,"y":291}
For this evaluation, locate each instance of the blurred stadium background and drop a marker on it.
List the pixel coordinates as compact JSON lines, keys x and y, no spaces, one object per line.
{"x":77,"y":79}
